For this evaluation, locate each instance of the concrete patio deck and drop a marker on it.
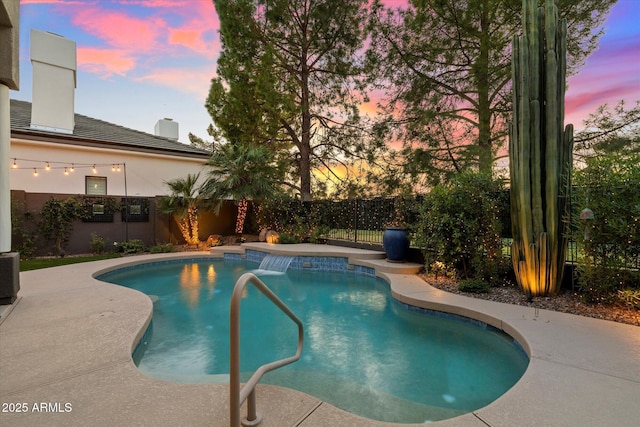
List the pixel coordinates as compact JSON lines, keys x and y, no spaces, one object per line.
{"x":65,"y":359}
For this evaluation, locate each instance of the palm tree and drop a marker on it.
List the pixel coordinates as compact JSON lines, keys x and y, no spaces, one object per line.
{"x":183,"y":203}
{"x":241,"y":172}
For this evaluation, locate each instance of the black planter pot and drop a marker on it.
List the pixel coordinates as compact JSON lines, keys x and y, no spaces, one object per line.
{"x":396,"y":243}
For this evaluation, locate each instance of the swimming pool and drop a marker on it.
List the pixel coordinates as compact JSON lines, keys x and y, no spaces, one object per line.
{"x":364,"y":352}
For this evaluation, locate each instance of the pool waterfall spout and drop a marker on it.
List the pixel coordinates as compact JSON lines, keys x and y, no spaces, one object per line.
{"x":278,"y":263}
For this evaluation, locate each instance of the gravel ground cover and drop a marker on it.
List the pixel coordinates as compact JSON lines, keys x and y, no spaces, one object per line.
{"x":566,"y":301}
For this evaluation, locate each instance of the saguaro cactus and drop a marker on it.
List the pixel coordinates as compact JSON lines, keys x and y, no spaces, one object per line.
{"x":540,"y":151}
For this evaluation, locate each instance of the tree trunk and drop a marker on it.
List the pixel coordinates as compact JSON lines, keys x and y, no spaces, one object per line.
{"x":242,"y":215}
{"x":305,"y":140}
{"x":485,"y":155}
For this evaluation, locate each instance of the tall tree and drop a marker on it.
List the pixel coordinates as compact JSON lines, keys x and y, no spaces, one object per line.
{"x":609,"y":131}
{"x":243,"y":172}
{"x":290,"y":77}
{"x":447,"y":65}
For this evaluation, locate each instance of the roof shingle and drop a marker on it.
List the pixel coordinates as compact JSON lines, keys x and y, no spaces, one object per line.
{"x":94,"y":132}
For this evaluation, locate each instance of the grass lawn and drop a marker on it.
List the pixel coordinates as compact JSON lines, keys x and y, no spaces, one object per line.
{"x":37,"y":263}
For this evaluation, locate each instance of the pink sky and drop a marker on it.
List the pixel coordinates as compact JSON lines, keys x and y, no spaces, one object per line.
{"x":159,"y":56}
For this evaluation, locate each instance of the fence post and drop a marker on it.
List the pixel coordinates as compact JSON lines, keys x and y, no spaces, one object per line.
{"x":355,"y":220}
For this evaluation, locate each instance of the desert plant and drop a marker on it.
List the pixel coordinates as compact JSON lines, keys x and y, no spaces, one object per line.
{"x":540,"y":151}
{"x":242,"y":171}
{"x":183,"y":203}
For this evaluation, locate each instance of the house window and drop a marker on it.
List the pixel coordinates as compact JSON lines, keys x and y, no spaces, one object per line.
{"x":95,"y":185}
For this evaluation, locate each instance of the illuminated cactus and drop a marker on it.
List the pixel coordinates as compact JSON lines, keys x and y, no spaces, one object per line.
{"x":540,"y":151}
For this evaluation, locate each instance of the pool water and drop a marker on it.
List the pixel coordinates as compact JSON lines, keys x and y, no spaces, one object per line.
{"x":363,"y":352}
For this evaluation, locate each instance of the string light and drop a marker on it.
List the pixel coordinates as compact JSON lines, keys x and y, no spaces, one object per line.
{"x":66,"y":167}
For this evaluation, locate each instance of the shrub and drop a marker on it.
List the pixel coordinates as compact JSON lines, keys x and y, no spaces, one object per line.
{"x":162,"y":248}
{"x":609,"y":244}
{"x":56,"y":220}
{"x":23,"y":238}
{"x":630,"y":298}
{"x":459,"y":225}
{"x":287,"y":215}
{"x":438,"y":269}
{"x":286,"y":238}
{"x":318,"y":235}
{"x":474,"y":286}
{"x":131,"y":247}
{"x":97,"y":243}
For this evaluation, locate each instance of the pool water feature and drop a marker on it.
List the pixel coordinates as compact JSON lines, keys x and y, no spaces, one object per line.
{"x":276,"y":263}
{"x":364,"y":352}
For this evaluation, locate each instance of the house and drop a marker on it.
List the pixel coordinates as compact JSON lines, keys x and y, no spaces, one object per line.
{"x":94,"y":158}
{"x":116,"y":171}
{"x":55,"y":150}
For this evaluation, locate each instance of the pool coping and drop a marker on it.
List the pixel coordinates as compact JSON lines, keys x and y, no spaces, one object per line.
{"x":69,"y":339}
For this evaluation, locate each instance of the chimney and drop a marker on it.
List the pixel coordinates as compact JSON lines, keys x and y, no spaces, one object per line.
{"x":167,"y":128}
{"x":54,"y":81}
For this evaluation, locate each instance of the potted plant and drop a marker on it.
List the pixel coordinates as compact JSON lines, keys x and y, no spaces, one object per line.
{"x":395,"y":238}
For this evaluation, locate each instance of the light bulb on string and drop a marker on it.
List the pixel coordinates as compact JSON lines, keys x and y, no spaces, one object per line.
{"x":73,"y":167}
{"x":48,"y":167}
{"x":118,"y":168}
{"x":35,"y":172}
{"x":113,"y":168}
{"x":15,"y":164}
{"x":94,"y":169}
{"x":66,"y":172}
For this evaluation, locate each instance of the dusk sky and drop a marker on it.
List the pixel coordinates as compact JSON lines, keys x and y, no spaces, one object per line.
{"x":143,"y":60}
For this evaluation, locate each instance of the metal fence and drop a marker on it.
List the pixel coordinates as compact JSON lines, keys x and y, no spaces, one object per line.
{"x":363,"y":220}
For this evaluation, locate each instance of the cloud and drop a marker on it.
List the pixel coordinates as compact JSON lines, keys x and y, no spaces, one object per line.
{"x":579,"y":106}
{"x":198,"y":31}
{"x":195,"y":40}
{"x":105,"y":62}
{"x":120,"y":30}
{"x":189,"y":80}
{"x":58,"y":2}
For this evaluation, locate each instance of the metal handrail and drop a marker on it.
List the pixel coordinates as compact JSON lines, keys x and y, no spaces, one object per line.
{"x":239,"y":395}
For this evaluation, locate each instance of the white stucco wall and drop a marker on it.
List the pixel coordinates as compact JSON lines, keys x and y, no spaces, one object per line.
{"x":146,"y":172}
